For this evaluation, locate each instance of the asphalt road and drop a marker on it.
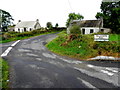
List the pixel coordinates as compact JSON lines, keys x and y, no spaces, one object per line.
{"x":32,"y":65}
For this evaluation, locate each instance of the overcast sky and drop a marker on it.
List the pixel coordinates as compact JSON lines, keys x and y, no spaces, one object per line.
{"x":55,"y":11}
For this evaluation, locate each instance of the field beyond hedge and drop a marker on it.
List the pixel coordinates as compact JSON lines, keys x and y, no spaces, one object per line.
{"x":84,"y":46}
{"x":13,"y":36}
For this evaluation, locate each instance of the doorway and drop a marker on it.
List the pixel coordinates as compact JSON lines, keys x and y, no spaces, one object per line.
{"x":25,"y":30}
{"x":83,"y":31}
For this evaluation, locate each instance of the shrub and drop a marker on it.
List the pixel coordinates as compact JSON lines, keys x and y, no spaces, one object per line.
{"x":75,"y":29}
{"x":35,"y":31}
{"x":107,"y":46}
{"x":25,"y":34}
{"x":12,"y":32}
{"x":7,"y":35}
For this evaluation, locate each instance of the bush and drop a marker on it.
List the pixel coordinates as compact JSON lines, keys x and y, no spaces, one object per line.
{"x":107,"y":46}
{"x":25,"y":34}
{"x":7,"y":35}
{"x":37,"y":31}
{"x":75,"y":29}
{"x":12,"y":32}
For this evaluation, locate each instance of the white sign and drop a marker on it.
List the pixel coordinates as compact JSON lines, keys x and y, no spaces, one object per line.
{"x":110,"y":0}
{"x":101,"y":37}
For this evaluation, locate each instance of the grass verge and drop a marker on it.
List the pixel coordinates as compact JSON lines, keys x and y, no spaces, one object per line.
{"x":4,"y":74}
{"x":83,"y":46}
{"x":115,"y":37}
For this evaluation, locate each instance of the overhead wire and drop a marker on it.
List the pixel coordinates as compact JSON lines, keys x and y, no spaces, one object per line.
{"x":70,"y":6}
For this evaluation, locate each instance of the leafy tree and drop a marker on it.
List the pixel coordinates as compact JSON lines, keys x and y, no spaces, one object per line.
{"x":5,"y":20}
{"x":49,"y":25}
{"x":73,"y":16}
{"x":110,"y":11}
{"x":56,"y":25}
{"x":99,"y":15}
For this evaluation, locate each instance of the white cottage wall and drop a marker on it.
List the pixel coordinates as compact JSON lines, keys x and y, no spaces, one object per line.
{"x":21,"y":30}
{"x":107,"y":30}
{"x":87,"y":29}
{"x":27,"y":26}
{"x":16,"y":29}
{"x":30,"y":29}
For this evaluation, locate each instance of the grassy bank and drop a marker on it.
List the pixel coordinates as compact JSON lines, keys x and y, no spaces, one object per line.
{"x":13,"y":36}
{"x":83,"y":46}
{"x":115,"y":37}
{"x":4,"y":74}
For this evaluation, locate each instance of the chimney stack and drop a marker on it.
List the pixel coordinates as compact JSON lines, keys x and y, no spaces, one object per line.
{"x":37,"y":20}
{"x":19,"y":21}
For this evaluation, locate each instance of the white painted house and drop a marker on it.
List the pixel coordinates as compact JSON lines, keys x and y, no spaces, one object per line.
{"x":89,"y":26}
{"x":23,"y":26}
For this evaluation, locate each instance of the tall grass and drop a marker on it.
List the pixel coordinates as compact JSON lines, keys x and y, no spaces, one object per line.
{"x":114,"y":37}
{"x":4,"y":73}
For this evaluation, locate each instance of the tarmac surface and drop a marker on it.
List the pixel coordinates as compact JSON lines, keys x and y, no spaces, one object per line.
{"x":32,"y":65}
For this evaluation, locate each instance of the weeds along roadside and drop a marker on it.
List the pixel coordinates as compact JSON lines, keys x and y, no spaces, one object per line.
{"x":4,"y":76}
{"x":83,"y":46}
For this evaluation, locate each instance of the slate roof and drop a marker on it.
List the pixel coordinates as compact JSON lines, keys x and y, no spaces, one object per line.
{"x":87,"y":23}
{"x":25,"y":24}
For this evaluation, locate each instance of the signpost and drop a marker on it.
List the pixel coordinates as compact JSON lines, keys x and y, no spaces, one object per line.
{"x":101,"y":37}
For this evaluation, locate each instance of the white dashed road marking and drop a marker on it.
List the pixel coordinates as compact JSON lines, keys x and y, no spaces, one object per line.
{"x":48,"y":55}
{"x":115,"y":71}
{"x":108,"y":73}
{"x":9,"y":49}
{"x":6,"y":52}
{"x":70,"y":61}
{"x":89,"y":65}
{"x":108,"y":76}
{"x":87,"y":83}
{"x":15,"y":43}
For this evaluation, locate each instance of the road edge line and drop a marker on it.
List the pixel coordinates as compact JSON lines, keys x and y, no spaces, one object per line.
{"x":15,"y":43}
{"x":9,"y":49}
{"x":6,"y":52}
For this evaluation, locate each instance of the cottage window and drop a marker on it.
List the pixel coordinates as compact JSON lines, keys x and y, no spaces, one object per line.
{"x":91,"y":30}
{"x":18,"y":29}
{"x":83,"y":31}
{"x":30,"y":29}
{"x":25,"y":30}
{"x":102,"y":30}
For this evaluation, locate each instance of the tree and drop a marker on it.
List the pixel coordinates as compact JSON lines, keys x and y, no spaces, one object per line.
{"x":49,"y":25}
{"x":5,"y":20}
{"x":56,"y":25}
{"x":110,"y":11}
{"x":99,"y":15}
{"x":73,"y":16}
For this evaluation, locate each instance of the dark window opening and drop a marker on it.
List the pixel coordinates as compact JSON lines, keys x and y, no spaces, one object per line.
{"x":18,"y":29}
{"x":30,"y":29}
{"x":102,"y":30}
{"x":91,"y":30}
{"x":25,"y":30}
{"x":83,"y":31}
